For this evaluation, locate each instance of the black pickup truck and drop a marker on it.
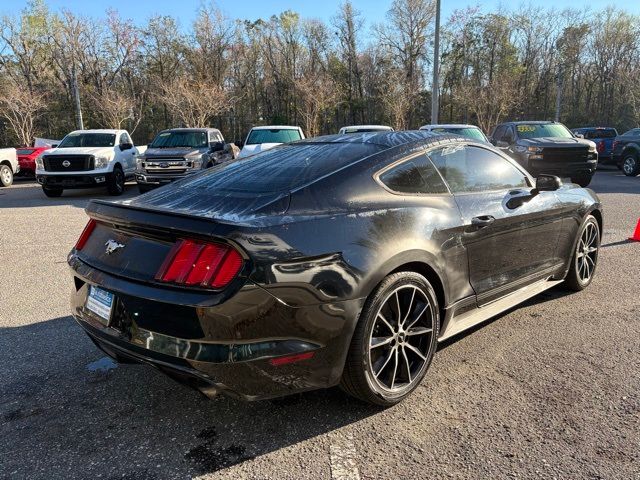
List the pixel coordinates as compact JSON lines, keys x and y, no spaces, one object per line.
{"x":626,"y":152}
{"x":548,"y":147}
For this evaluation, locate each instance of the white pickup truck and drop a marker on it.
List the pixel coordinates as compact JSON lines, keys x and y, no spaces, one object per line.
{"x":86,"y":159}
{"x":9,"y":166}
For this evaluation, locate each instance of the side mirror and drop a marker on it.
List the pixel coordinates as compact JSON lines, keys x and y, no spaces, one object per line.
{"x":579,"y":135}
{"x":55,"y":145}
{"x":547,"y":183}
{"x":126,"y":146}
{"x":216,"y":146}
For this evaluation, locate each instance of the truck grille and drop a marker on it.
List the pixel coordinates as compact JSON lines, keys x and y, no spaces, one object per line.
{"x":166,"y":166}
{"x":569,"y":154}
{"x":68,"y":163}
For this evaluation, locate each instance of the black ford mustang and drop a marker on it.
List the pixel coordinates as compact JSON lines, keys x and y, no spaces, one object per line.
{"x":337,"y":260}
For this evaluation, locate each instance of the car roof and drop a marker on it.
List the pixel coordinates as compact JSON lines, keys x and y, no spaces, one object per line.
{"x":273,"y":127}
{"x":532,"y":122}
{"x":99,"y":130}
{"x":449,"y":125}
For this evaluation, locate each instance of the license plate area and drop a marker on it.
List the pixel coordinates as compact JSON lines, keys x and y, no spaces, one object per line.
{"x":100,"y":303}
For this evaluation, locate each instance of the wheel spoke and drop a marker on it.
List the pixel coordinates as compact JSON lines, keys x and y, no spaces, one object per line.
{"x":385,"y":363}
{"x":415,"y":320}
{"x":413,"y":294}
{"x":395,"y":369}
{"x":380,"y":341}
{"x":384,"y":320}
{"x":406,"y":362}
{"x":418,"y":331}
{"x":415,"y":350}
{"x":399,"y":310}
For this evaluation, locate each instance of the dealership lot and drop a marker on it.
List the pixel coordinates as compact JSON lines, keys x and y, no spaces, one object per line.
{"x":548,"y":390}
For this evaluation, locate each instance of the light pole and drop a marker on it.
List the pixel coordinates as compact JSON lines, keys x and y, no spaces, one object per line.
{"x":435,"y":102}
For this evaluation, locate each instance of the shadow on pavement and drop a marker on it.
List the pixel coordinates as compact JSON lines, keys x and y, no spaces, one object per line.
{"x":92,"y":416}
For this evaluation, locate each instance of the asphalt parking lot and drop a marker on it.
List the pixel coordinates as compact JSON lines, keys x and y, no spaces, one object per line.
{"x":549,"y":390}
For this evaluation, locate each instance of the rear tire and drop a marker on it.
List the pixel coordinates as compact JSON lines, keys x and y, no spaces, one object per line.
{"x":585,"y":256}
{"x":52,"y":192}
{"x":115,"y":181}
{"x":583,"y":181}
{"x":631,"y":165}
{"x":6,"y":176}
{"x":392,"y":347}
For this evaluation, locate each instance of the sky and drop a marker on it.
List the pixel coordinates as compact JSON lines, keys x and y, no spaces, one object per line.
{"x":373,"y":11}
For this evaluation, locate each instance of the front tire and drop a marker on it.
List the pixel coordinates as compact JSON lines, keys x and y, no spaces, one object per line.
{"x":630,"y":165}
{"x":585,"y":256}
{"x":394,"y":341}
{"x":52,"y":192}
{"x":115,"y":182}
{"x":6,"y":176}
{"x":583,"y":181}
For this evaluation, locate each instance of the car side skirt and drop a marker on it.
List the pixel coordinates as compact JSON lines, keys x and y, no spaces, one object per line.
{"x":470,"y":318}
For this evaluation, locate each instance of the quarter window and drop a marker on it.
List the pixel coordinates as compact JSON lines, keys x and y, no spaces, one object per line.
{"x":417,"y":175}
{"x":474,"y":169}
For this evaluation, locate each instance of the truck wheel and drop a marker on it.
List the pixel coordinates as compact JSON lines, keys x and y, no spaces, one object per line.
{"x":115,"y":181}
{"x":630,"y":165}
{"x":583,"y":181}
{"x":52,"y":192}
{"x":6,"y":176}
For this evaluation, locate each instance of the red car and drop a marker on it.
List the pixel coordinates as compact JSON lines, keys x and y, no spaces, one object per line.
{"x":27,"y":159}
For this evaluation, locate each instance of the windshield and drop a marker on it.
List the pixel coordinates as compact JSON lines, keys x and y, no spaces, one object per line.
{"x":180,"y":139}
{"x":468,"y":132}
{"x":539,"y":130}
{"x":25,"y":151}
{"x":273,"y":135}
{"x":88,"y":140}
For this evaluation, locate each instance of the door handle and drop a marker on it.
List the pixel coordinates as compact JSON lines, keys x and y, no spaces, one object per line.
{"x":482,"y":221}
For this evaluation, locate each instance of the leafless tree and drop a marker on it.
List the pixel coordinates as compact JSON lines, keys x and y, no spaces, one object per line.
{"x":21,"y":108}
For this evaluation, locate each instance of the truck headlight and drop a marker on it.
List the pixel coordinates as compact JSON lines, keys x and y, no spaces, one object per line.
{"x":139,"y":161}
{"x":592,"y":148}
{"x":530,"y":150}
{"x":196,"y":163}
{"x":100,"y":162}
{"x":39,"y":163}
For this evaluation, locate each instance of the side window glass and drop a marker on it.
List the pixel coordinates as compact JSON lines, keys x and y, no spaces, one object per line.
{"x":475,"y":169}
{"x":498,"y":134}
{"x":508,"y":135}
{"x":417,"y":175}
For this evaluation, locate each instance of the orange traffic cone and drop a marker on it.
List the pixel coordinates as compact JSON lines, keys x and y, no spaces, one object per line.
{"x":636,"y":235}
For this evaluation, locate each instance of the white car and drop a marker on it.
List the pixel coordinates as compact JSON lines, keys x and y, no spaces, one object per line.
{"x":365,"y":129}
{"x":468,"y":131}
{"x":86,"y":159}
{"x":264,"y":138}
{"x":9,"y":166}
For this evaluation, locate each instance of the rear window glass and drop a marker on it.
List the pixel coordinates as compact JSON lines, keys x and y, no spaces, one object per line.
{"x":24,"y":151}
{"x":601,"y":133}
{"x":273,"y":135}
{"x":417,"y":175}
{"x":282,"y":168}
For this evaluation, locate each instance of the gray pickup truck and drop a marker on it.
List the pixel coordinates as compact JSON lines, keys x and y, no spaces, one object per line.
{"x":178,"y":152}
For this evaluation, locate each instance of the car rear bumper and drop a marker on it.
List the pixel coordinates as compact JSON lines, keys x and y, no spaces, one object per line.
{"x":226,"y":348}
{"x":79,"y":180}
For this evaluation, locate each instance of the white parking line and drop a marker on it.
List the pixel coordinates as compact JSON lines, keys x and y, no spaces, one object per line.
{"x":342,"y":452}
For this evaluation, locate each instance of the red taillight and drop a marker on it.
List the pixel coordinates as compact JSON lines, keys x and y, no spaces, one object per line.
{"x":192,"y":263}
{"x":86,"y":233}
{"x":601,"y":146}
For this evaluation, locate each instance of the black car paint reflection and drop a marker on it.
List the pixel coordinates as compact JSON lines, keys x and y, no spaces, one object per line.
{"x":318,"y":232}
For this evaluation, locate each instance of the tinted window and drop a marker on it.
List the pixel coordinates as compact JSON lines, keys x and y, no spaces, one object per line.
{"x":88,"y":140}
{"x":417,"y":175}
{"x":600,"y":133}
{"x":180,"y":139}
{"x":273,"y":135}
{"x":499,"y":132}
{"x":475,"y":169}
{"x":539,"y":130}
{"x":282,"y":168}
